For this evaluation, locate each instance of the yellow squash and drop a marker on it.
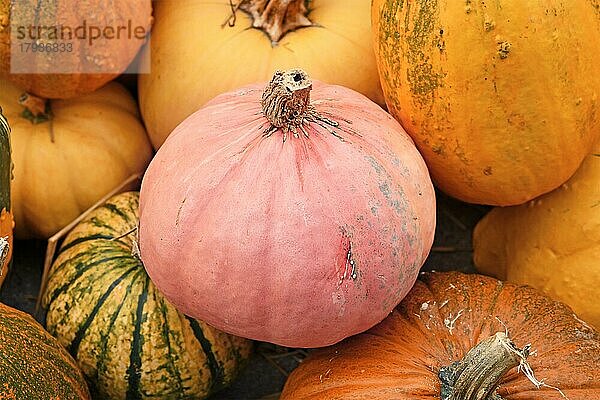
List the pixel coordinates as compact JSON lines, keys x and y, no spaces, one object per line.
{"x":500,"y":96}
{"x":552,"y":243}
{"x":196,"y":54}
{"x":70,"y":153}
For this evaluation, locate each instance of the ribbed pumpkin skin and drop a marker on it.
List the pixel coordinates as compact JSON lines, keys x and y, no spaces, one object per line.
{"x":500,"y":96}
{"x":257,"y":236}
{"x":400,"y":358}
{"x":99,"y":141}
{"x":6,"y":220}
{"x":552,"y":243}
{"x":32,"y":363}
{"x":102,"y":54}
{"x":194,"y":58}
{"x":129,"y":341}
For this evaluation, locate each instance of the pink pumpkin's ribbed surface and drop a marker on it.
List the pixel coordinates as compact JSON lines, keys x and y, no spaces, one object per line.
{"x":300,"y":243}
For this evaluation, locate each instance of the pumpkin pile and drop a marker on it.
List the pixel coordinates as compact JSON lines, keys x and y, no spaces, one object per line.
{"x":269,"y":174}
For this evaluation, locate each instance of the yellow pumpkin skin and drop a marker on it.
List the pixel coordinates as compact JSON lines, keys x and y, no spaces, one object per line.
{"x":193,"y":58}
{"x":552,"y":243}
{"x":500,"y":96}
{"x":63,"y":166}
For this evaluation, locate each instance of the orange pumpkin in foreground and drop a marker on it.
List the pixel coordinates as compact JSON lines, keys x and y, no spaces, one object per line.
{"x":445,"y":315}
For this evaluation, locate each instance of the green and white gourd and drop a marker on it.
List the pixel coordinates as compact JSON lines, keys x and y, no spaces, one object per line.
{"x":128,"y":340}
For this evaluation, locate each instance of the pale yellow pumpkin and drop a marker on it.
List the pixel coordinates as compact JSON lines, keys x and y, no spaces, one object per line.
{"x":194,"y":57}
{"x":501,"y":97}
{"x":63,"y":165}
{"x":552,"y":243}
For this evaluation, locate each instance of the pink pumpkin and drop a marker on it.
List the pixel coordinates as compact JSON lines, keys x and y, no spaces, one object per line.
{"x":299,"y":242}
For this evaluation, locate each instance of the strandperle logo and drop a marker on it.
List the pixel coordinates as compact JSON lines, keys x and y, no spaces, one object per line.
{"x":87,"y":32}
{"x":70,"y":37}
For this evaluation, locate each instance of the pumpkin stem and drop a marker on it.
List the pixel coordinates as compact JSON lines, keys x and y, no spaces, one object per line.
{"x":286,"y":104}
{"x":135,"y":248}
{"x":37,"y":110}
{"x":274,"y":17}
{"x":477,"y":375}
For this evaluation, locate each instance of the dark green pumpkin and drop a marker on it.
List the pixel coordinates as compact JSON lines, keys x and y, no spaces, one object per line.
{"x":128,"y":340}
{"x":6,"y":220}
{"x":33,"y":365}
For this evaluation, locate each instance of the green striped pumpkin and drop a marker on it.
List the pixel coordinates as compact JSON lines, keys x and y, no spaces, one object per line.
{"x":6,"y":220}
{"x":128,"y":340}
{"x":5,"y":162}
{"x":32,"y":363}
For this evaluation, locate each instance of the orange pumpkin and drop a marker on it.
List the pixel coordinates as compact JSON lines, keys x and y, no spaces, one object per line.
{"x":95,"y":64}
{"x":423,"y":350}
{"x":500,"y":96}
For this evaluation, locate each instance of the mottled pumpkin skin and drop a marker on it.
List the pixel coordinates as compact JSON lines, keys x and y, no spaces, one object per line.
{"x":444,"y":316}
{"x":33,"y":364}
{"x":6,"y":220}
{"x":65,"y":165}
{"x":91,"y":60}
{"x":129,"y":341}
{"x":300,"y":243}
{"x":552,"y":243}
{"x":193,"y":58}
{"x":500,"y":96}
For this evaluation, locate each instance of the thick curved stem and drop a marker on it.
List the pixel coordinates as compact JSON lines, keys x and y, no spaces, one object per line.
{"x":477,"y":375}
{"x":286,"y":104}
{"x":277,"y":17}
